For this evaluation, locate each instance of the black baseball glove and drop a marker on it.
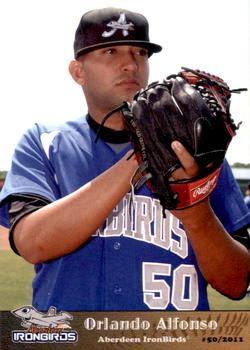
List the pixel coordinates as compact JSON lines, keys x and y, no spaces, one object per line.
{"x":193,"y":108}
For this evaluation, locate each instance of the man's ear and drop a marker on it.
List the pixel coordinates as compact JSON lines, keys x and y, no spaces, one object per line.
{"x":76,"y":71}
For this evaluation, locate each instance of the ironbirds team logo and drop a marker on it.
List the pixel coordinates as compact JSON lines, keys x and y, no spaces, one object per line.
{"x":121,"y":24}
{"x":42,"y":327}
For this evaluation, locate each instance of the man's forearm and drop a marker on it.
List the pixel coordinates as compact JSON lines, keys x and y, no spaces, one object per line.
{"x":62,"y":226}
{"x":224,"y":262}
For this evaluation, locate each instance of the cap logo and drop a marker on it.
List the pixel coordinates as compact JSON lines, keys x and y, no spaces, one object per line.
{"x":121,"y":24}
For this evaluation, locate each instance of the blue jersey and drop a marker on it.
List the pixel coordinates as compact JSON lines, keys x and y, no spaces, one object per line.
{"x":134,"y":261}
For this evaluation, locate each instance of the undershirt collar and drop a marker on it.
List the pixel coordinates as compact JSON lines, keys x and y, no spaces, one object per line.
{"x":108,"y":135}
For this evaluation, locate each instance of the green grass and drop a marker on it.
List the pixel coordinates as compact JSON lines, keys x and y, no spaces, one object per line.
{"x":219,"y":302}
{"x":15,"y":281}
{"x":16,"y":277}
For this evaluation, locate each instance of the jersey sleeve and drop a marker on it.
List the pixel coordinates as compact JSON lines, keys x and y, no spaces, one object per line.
{"x":228,"y":202}
{"x":31,"y":173}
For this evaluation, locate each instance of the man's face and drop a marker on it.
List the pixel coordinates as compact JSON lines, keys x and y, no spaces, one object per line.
{"x":114,"y":74}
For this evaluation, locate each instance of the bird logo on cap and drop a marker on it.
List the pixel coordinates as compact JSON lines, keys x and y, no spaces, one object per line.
{"x":120,"y":24}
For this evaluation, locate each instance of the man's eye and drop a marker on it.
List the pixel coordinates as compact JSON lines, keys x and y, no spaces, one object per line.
{"x":142,"y":52}
{"x":109,"y":51}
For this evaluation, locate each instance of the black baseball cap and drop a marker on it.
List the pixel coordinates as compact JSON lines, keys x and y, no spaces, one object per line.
{"x":112,"y":26}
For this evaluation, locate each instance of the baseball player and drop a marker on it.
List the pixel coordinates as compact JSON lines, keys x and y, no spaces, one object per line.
{"x":67,"y":197}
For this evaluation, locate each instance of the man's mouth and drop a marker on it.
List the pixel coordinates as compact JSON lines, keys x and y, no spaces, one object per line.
{"x":129,"y":83}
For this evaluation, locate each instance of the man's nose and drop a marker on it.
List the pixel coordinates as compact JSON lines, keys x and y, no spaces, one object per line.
{"x":129,"y":62}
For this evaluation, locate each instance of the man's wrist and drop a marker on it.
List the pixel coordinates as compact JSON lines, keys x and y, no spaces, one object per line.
{"x":196,"y":216}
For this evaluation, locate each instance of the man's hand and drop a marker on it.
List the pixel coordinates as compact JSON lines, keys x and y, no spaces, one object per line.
{"x":189,"y":166}
{"x":189,"y":169}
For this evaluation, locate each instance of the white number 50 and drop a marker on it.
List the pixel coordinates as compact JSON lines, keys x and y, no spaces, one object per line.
{"x":157,"y":293}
